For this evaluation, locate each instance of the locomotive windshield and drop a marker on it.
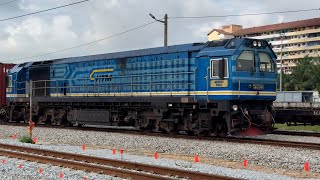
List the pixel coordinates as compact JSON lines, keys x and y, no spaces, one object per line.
{"x":245,"y":61}
{"x":266,"y":64}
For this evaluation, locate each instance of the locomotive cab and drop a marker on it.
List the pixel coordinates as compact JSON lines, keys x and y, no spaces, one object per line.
{"x":239,"y":83}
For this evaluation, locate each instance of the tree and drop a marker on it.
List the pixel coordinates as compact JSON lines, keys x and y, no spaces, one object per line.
{"x":305,"y":76}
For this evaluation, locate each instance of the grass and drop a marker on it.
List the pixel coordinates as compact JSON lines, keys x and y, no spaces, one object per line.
{"x":315,"y":128}
{"x":26,"y":139}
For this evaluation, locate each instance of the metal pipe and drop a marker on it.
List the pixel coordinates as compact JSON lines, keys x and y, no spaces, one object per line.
{"x":150,"y":84}
{"x":207,"y":78}
{"x":171,"y":88}
{"x":131,"y":86}
{"x":30,"y":102}
{"x":194,"y":90}
{"x":281,"y":35}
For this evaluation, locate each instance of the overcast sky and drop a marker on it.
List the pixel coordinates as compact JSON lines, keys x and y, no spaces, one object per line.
{"x":89,"y":21}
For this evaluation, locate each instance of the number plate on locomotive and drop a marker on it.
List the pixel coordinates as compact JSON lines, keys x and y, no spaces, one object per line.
{"x":256,"y":86}
{"x":316,"y":113}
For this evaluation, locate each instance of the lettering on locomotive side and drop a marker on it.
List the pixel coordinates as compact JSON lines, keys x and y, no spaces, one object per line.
{"x":219,"y":83}
{"x":99,"y":71}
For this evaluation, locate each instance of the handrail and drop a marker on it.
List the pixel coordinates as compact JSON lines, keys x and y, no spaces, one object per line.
{"x":207,"y":78}
{"x":195,"y":82}
{"x":119,"y":84}
{"x":239,"y":89}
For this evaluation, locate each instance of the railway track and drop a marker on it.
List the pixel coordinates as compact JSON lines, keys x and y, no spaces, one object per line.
{"x":247,"y":140}
{"x":297,"y":133}
{"x":124,"y":169}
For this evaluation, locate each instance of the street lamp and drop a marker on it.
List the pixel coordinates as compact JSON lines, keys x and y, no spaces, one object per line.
{"x":281,"y":36}
{"x":165,"y":22}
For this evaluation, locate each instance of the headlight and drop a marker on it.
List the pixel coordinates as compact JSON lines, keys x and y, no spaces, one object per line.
{"x":235,"y":107}
{"x":259,"y":44}
{"x":255,"y":43}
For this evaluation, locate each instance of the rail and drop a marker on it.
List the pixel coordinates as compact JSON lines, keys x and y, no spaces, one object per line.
{"x":125,"y":169}
{"x":171,"y":84}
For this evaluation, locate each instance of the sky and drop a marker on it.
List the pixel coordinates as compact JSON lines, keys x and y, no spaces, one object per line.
{"x":82,"y":23}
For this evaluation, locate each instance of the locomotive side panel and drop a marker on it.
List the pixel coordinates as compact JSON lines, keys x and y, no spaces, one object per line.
{"x":193,"y":88}
{"x":165,"y":74}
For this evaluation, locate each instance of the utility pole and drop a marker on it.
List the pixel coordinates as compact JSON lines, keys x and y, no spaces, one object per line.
{"x":165,"y":22}
{"x":165,"y":30}
{"x":31,"y":124}
{"x":281,"y":36}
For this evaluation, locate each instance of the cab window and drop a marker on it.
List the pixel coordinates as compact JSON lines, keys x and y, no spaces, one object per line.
{"x":245,"y":61}
{"x":266,"y":63}
{"x":214,"y":67}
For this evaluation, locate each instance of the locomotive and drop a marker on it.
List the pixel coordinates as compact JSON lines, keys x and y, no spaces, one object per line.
{"x":220,"y":87}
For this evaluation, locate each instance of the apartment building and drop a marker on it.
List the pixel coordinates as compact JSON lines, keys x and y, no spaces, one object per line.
{"x":298,"y":39}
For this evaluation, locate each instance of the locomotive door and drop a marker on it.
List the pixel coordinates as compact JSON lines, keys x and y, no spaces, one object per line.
{"x":40,"y":77}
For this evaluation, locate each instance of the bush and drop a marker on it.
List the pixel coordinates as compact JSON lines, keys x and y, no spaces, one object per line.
{"x":27,"y":139}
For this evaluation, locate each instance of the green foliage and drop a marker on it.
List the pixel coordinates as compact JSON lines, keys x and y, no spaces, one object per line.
{"x":315,"y":128}
{"x":27,"y":139}
{"x":305,"y":76}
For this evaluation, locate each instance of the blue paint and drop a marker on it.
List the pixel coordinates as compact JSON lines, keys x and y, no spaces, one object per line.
{"x":156,"y":66}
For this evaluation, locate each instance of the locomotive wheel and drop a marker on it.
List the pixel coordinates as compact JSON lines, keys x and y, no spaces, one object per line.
{"x":170,"y":132}
{"x":3,"y":112}
{"x":190,"y":133}
{"x":80,"y":125}
{"x":147,"y":129}
{"x":203,"y":133}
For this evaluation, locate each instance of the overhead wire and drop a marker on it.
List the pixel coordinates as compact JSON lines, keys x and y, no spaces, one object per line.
{"x":247,"y":14}
{"x":45,"y":10}
{"x":144,"y":25}
{"x":84,"y":44}
{"x":8,"y":2}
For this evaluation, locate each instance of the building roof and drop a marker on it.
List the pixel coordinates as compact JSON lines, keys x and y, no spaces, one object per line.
{"x":220,"y":31}
{"x":274,"y":27}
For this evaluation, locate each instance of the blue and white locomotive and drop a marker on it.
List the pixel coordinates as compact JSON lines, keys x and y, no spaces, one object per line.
{"x":219,"y":86}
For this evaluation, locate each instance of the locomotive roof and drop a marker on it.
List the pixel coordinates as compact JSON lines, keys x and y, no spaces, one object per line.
{"x":191,"y":47}
{"x":134,"y":53}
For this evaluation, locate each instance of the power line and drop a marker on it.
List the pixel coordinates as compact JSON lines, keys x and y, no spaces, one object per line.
{"x":37,"y":12}
{"x":144,"y":25}
{"x":5,"y":3}
{"x":249,"y":14}
{"x":85,"y":44}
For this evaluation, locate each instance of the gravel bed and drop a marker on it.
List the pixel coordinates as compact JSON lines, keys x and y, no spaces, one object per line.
{"x":30,"y":170}
{"x":270,"y":157}
{"x":106,"y":153}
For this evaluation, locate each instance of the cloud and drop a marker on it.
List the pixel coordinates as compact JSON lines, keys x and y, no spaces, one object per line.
{"x":37,"y":35}
{"x":70,"y":26}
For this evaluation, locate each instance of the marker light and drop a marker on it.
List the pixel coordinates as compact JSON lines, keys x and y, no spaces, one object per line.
{"x":255,"y":43}
{"x":259,"y":44}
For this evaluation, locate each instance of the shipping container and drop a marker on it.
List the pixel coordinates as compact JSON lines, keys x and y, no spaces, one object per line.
{"x":296,"y":96}
{"x":3,"y":73}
